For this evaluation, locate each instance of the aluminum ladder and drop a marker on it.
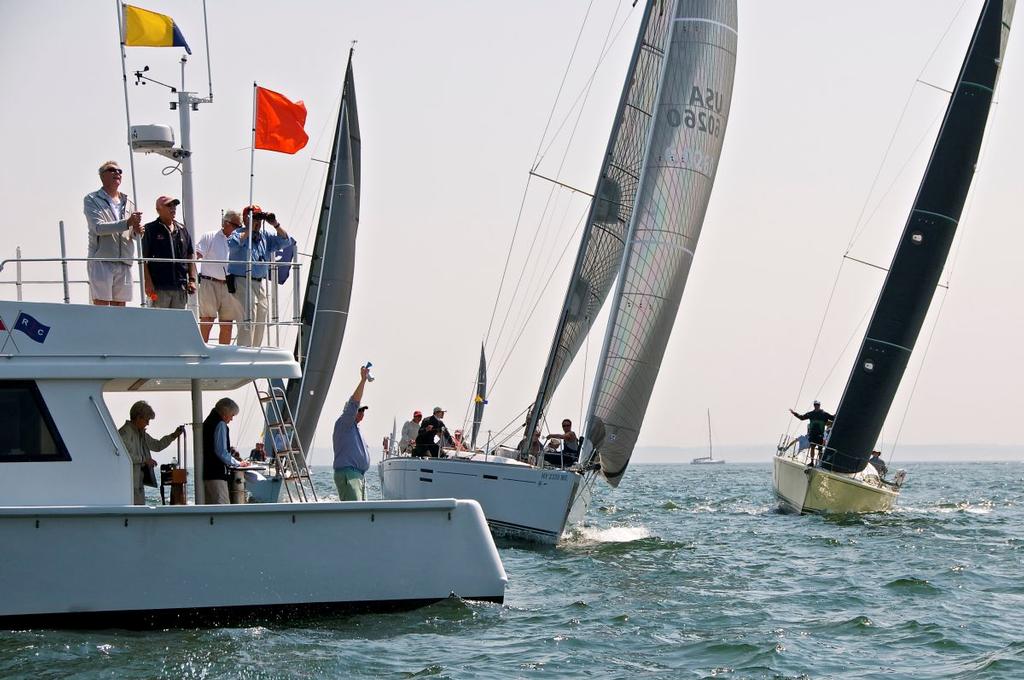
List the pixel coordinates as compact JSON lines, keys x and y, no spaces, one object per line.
{"x":286,"y":450}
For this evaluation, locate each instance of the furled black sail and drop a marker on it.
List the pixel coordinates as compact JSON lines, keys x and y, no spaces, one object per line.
{"x":921,"y":254}
{"x":329,"y":287}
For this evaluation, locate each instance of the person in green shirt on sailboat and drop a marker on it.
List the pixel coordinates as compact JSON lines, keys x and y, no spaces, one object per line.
{"x":818,"y":419}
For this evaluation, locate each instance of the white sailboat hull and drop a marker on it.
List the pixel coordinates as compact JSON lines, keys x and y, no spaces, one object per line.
{"x":180,"y":565}
{"x":802,"y":489}
{"x":519,"y":501}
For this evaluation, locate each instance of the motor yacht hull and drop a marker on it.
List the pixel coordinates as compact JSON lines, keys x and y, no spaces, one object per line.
{"x":186,"y":565}
{"x":802,"y":489}
{"x":519,"y":501}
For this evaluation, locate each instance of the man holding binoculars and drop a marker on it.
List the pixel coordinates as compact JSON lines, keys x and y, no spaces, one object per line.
{"x":253,"y":298}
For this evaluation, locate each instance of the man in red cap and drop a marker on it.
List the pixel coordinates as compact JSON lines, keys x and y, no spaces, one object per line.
{"x":409,"y":431}
{"x":168,"y":284}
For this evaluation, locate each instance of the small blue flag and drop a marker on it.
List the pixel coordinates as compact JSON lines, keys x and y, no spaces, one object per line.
{"x":32,"y":328}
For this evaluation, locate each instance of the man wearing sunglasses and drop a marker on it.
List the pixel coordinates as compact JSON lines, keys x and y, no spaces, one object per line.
{"x":113,"y":221}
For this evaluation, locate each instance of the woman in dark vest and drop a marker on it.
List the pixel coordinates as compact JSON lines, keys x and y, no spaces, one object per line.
{"x":217,"y":460}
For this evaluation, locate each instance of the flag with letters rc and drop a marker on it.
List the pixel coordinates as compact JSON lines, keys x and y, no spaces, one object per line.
{"x":279,"y":122}
{"x":29,"y":326}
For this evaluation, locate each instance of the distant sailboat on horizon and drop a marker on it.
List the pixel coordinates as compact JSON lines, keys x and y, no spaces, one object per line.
{"x":710,"y":458}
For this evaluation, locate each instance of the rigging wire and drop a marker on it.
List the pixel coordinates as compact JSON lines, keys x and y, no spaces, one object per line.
{"x":858,"y":224}
{"x":526,"y":188}
{"x":561,"y":165}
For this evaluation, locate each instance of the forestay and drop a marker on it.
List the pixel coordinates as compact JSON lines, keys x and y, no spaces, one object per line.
{"x":604,"y":236}
{"x":680,"y":162}
{"x":329,"y":288}
{"x":921,"y":255}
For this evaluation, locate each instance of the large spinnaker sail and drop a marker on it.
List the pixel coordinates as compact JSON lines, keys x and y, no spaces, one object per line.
{"x":601,"y":246}
{"x":675,"y":186}
{"x":921,"y":255}
{"x":329,"y":286}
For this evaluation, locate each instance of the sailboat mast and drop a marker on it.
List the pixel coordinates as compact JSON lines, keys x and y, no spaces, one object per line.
{"x":556,"y":361}
{"x":711,"y":453}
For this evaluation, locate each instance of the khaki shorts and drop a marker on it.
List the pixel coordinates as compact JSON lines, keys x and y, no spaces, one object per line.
{"x":216,"y":302}
{"x":111,"y":281}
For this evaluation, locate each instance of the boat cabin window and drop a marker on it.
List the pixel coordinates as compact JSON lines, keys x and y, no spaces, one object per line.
{"x":27,"y":432}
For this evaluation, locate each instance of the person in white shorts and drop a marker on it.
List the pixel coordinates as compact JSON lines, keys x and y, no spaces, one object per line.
{"x":215,"y":300}
{"x":113,"y":221}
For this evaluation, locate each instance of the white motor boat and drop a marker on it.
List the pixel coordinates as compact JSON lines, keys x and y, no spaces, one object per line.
{"x":66,"y":494}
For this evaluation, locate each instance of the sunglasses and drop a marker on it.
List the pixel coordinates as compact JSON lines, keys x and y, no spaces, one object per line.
{"x":116,"y":171}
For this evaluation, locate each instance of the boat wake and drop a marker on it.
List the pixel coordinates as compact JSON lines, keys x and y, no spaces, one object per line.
{"x":582,"y":535}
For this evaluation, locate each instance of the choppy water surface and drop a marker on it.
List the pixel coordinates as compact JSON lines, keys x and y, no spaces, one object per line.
{"x":683,"y":571}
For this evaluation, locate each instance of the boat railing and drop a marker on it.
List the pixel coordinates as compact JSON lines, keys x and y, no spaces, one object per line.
{"x":14,"y":272}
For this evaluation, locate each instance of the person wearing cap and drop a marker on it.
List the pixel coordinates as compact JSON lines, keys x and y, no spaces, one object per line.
{"x":351,"y":454}
{"x":168,"y":284}
{"x":112,"y":221}
{"x":429,"y":429}
{"x":876,"y":461}
{"x":264,"y":245}
{"x":140,"y":445}
{"x":215,"y":300}
{"x":409,"y":431}
{"x":818,"y":420}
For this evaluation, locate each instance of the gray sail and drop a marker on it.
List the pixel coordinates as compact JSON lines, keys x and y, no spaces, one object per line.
{"x":604,"y":236}
{"x":479,"y":398}
{"x":921,"y":255}
{"x":329,"y":285}
{"x":675,"y":186}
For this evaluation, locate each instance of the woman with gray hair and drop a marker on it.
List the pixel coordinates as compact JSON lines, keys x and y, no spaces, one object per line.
{"x":217,"y":460}
{"x":140,"y":445}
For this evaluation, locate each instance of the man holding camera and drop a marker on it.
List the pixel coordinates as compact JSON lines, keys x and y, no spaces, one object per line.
{"x":113,"y":222}
{"x":253,"y":296}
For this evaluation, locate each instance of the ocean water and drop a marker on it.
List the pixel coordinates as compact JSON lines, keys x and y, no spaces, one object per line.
{"x":682,"y":572}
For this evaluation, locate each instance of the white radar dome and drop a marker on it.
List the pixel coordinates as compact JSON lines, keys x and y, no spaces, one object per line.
{"x":152,"y":137}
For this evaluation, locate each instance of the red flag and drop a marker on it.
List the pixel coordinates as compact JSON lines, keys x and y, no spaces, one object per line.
{"x":279,"y":122}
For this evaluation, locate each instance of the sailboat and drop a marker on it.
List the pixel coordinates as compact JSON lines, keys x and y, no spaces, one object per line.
{"x":843,"y":481}
{"x":641,"y":231}
{"x":710,"y":458}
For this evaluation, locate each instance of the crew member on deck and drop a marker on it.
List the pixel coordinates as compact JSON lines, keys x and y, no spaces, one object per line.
{"x":430,"y":428}
{"x":140,"y":445}
{"x":409,"y":431}
{"x":217,"y":459}
{"x":818,"y":420}
{"x":571,"y":450}
{"x":876,"y":461}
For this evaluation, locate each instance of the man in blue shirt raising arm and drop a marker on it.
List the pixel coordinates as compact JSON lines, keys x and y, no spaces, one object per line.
{"x":351,"y":459}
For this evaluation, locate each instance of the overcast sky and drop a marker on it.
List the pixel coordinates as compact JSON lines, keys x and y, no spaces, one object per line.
{"x":453,"y":102}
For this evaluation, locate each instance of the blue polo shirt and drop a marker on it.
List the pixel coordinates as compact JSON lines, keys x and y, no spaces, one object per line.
{"x":263,"y":245}
{"x":349,"y":447}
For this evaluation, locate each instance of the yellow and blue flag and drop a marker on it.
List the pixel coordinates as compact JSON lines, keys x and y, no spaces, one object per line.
{"x":143,"y":28}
